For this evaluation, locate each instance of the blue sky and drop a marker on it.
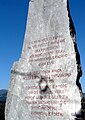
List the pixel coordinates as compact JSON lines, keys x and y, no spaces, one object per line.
{"x":13,"y":15}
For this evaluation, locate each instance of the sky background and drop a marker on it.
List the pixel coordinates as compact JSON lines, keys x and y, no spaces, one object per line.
{"x":13,"y":15}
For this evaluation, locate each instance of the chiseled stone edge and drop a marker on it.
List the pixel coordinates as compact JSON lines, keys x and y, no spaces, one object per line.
{"x":78,"y":62}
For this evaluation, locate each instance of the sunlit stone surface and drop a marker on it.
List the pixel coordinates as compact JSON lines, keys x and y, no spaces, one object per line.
{"x":43,"y":81}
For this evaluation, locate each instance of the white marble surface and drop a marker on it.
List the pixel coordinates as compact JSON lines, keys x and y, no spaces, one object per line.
{"x":48,"y":53}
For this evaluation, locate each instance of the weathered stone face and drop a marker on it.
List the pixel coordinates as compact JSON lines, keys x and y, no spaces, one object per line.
{"x":43,"y":82}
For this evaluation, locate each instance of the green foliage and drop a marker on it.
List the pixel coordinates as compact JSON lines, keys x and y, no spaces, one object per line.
{"x":2,"y":109}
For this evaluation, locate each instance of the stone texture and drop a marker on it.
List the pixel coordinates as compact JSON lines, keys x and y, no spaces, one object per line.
{"x":45,"y":81}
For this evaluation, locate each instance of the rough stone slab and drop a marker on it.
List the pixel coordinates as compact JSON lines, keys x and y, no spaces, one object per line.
{"x":44,"y":81}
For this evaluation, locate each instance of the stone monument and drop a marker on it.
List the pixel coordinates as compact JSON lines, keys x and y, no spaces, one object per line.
{"x":45,"y":81}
